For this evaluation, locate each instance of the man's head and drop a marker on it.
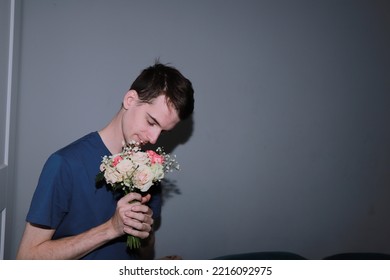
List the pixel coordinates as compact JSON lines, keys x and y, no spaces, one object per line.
{"x":157,"y":100}
{"x":161,"y":79}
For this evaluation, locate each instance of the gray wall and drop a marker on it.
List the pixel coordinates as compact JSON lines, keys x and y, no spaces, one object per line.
{"x":288,"y":148}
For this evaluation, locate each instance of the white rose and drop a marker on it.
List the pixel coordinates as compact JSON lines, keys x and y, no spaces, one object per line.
{"x":125,"y":166}
{"x":112,"y":176}
{"x":158,"y":171}
{"x":143,"y":178}
{"x":140,"y":158}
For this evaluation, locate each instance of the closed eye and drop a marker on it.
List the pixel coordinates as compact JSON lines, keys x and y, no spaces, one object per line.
{"x":152,"y":121}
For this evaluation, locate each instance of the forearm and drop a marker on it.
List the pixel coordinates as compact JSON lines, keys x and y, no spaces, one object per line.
{"x":134,"y":219}
{"x":73,"y":247}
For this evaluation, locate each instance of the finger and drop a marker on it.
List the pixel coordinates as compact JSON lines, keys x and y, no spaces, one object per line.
{"x":137,"y":233}
{"x":140,"y":208}
{"x":138,"y":217}
{"x":136,"y":228}
{"x":130,"y":197}
{"x":145,"y":198}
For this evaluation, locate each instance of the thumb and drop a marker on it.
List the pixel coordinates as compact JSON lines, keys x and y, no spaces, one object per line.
{"x":145,"y":198}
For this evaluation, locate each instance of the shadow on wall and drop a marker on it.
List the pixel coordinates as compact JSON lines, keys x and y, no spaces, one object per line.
{"x":178,"y":136}
{"x":169,"y":141}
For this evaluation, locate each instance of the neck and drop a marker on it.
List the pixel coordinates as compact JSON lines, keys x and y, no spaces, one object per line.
{"x":112,"y":134}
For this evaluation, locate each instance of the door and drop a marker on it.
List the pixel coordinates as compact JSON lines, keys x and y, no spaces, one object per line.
{"x":7,"y":20}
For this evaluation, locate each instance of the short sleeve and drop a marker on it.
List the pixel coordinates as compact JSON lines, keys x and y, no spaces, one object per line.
{"x":50,"y":201}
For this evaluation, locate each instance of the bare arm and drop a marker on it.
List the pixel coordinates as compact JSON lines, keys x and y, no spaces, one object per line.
{"x":134,"y":219}
{"x":37,"y":244}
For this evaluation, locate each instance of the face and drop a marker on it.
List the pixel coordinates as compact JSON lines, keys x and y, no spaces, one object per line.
{"x":144,"y":122}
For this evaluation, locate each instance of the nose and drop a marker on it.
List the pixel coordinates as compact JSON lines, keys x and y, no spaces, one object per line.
{"x":153,"y":136}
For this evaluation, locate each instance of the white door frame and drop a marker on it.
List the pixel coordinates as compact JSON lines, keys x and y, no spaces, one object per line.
{"x":8,"y":92}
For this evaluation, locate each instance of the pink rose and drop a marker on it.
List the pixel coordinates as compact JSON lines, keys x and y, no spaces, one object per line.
{"x":154,"y":157}
{"x":116,"y":160}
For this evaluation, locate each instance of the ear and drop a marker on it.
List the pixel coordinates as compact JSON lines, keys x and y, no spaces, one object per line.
{"x":131,"y":97}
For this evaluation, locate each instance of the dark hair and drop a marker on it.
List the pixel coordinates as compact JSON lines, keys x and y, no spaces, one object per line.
{"x":161,"y":79}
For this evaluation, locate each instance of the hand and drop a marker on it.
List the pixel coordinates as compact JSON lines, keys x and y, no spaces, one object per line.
{"x":132,"y":216}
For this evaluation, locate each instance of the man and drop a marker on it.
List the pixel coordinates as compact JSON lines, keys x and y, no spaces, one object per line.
{"x":69,"y":217}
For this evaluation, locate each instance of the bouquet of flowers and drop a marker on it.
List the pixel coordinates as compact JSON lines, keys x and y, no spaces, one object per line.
{"x":134,"y":170}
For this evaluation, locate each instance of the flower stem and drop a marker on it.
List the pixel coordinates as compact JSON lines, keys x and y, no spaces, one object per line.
{"x":133,"y":242}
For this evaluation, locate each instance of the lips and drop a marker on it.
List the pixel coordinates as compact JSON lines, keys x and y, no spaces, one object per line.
{"x":142,"y":142}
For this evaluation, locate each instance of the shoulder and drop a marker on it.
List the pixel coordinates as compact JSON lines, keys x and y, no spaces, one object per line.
{"x":71,"y":153}
{"x":91,"y":139}
{"x":85,"y":145}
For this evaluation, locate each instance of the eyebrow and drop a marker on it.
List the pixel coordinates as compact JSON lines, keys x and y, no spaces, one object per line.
{"x":150,"y":116}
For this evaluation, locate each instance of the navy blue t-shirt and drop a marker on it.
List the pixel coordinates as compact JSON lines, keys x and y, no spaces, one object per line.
{"x":68,"y":200}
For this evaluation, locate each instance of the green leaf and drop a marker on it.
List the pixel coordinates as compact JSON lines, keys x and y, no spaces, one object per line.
{"x":99,"y":177}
